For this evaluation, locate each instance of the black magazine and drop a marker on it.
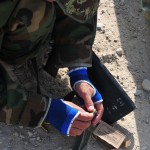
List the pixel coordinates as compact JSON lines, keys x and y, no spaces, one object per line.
{"x":117,"y":103}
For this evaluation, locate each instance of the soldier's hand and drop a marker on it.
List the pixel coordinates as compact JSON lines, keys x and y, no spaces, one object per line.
{"x":90,"y":96}
{"x":68,"y":118}
{"x":85,"y":91}
{"x":82,"y":122}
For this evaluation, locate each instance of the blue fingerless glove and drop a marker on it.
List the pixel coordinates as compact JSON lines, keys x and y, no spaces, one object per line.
{"x":61,"y":115}
{"x":79,"y":75}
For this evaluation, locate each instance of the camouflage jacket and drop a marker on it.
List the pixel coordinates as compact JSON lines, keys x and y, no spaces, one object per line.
{"x":146,"y":9}
{"x":27,"y":25}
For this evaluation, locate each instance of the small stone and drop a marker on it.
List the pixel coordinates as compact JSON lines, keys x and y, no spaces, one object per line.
{"x":117,"y":77}
{"x":38,"y":138}
{"x":147,"y":121}
{"x":15,"y":134}
{"x":143,"y":40}
{"x":135,"y":35}
{"x":122,"y":119}
{"x":119,"y":52}
{"x":21,"y":127}
{"x":22,"y":136}
{"x":107,"y":36}
{"x":111,"y":5}
{"x":100,"y":26}
{"x":103,"y":31}
{"x":32,"y":139}
{"x":30,"y":133}
{"x":122,"y":3}
{"x":138,"y":93}
{"x":146,"y":85}
{"x":102,"y":11}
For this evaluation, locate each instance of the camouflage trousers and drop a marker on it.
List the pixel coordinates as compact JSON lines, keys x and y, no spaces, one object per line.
{"x":21,"y":102}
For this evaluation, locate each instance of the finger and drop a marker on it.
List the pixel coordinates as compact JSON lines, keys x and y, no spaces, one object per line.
{"x":100,"y":110}
{"x":85,"y":116}
{"x":75,"y":131}
{"x":81,"y":125}
{"x":85,"y":91}
{"x":75,"y":106}
{"x":88,"y":102}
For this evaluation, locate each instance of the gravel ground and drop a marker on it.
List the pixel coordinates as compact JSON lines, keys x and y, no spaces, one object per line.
{"x":122,"y":43}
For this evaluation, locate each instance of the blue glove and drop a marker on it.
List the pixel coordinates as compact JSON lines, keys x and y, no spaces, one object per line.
{"x":61,"y":115}
{"x":79,"y":75}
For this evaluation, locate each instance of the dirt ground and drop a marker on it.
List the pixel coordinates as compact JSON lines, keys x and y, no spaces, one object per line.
{"x":122,"y":43}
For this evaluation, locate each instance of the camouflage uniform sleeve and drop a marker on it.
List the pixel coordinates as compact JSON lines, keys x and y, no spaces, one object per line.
{"x":73,"y":40}
{"x":19,"y":106}
{"x":146,"y":9}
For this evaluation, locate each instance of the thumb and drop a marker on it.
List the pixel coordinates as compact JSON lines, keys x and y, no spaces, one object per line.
{"x":88,"y":103}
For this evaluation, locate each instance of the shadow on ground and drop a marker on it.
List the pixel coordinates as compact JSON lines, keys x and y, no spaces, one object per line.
{"x":135,"y":40}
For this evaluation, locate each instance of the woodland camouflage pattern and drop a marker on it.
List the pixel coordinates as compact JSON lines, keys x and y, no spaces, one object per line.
{"x":26,"y":26}
{"x":146,"y":9}
{"x":79,"y":10}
